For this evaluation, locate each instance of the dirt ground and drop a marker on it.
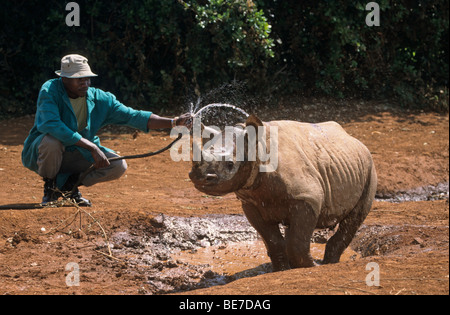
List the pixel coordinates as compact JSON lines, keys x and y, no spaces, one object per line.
{"x":409,"y":241}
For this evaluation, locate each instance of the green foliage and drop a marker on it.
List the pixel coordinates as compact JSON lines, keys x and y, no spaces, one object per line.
{"x":237,"y":27}
{"x":152,"y":53}
{"x":328,"y":48}
{"x":229,"y":39}
{"x":148,"y":53}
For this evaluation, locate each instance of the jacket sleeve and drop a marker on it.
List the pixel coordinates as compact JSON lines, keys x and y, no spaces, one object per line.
{"x":48,"y":119}
{"x":120,"y":114}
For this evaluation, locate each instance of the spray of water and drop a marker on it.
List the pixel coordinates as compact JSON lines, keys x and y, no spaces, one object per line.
{"x":215,"y":105}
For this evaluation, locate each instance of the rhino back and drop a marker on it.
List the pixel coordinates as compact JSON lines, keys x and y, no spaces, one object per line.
{"x":323,"y":165}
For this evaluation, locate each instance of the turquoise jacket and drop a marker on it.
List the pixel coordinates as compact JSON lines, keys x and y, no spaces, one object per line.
{"x":55,"y":116}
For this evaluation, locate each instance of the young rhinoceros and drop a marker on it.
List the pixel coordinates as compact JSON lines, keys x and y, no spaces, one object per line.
{"x":324,"y":177}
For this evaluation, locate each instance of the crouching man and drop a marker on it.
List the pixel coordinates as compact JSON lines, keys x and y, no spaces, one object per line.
{"x":63,"y":142}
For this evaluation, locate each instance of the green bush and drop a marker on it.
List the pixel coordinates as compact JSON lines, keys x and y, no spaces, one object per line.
{"x":327,"y":48}
{"x":151,"y":53}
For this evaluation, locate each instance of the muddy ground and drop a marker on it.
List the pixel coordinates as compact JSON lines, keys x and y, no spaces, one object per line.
{"x":166,"y":237}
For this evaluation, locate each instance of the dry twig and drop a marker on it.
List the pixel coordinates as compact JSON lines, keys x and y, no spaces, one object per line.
{"x":78,"y":213}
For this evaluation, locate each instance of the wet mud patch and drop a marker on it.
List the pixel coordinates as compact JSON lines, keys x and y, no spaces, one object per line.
{"x":151,"y":250}
{"x":175,"y":254}
{"x":422,"y":193}
{"x":170,"y":254}
{"x":382,"y":240}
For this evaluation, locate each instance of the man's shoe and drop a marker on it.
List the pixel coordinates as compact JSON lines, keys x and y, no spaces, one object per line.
{"x":79,"y":199}
{"x":69,"y":186}
{"x":51,"y":192}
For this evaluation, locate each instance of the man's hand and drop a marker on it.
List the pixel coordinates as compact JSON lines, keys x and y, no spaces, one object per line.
{"x":185,"y":120}
{"x":100,"y":159}
{"x":157,"y":122}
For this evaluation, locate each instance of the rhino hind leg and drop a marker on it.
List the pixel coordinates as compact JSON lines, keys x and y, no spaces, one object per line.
{"x":350,"y":224}
{"x":337,"y":244}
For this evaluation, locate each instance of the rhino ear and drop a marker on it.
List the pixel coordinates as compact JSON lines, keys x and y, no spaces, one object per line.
{"x":254,"y":121}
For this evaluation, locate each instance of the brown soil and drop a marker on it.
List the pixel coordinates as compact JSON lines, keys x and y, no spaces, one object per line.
{"x":409,"y":240}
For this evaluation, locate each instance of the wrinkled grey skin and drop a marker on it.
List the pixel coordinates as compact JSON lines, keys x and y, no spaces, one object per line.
{"x":325,"y":177}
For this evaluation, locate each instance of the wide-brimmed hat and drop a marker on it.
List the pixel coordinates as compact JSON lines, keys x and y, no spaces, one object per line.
{"x":75,"y":66}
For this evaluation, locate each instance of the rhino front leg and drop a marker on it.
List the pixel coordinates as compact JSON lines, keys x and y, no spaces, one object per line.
{"x":298,"y":235}
{"x":270,"y":233}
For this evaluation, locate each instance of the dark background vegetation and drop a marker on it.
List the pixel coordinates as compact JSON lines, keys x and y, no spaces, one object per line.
{"x":152,"y":54}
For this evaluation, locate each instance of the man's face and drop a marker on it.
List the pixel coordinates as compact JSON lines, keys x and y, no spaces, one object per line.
{"x":76,"y":87}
